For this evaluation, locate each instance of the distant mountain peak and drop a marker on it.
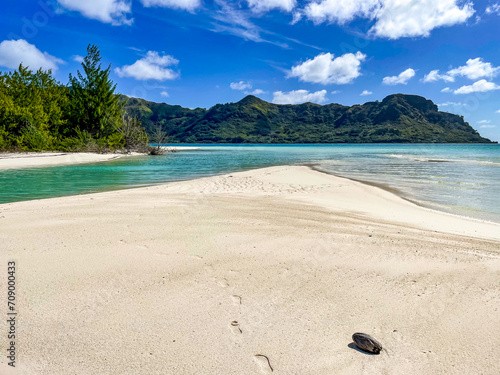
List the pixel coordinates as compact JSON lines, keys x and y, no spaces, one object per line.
{"x":398,"y":118}
{"x":416,"y":101}
{"x":251,"y":99}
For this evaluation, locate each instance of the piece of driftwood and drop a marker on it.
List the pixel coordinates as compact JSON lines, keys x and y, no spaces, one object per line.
{"x":367,"y":343}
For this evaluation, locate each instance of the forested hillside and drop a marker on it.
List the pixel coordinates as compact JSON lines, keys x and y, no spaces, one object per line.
{"x":397,"y":118}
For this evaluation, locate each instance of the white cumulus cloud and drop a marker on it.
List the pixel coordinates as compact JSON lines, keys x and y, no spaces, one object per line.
{"x":484,"y":122}
{"x":152,"y":66}
{"x":434,"y":75}
{"x":241,"y":85}
{"x":479,"y":86}
{"x":338,"y":11}
{"x":474,"y":69}
{"x":299,"y":96}
{"x":326,"y":69}
{"x":15,"y":52}
{"x":189,"y":5}
{"x":411,"y":18}
{"x":393,"y":18}
{"x":402,"y":78}
{"x":255,"y":92}
{"x":498,"y":111}
{"x":165,"y":94}
{"x":114,"y":12}
{"x":487,"y":126}
{"x":266,"y":5}
{"x":366,"y":92}
{"x":446,"y":89}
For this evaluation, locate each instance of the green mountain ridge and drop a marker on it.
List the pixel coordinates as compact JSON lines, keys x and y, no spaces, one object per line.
{"x":398,"y":118}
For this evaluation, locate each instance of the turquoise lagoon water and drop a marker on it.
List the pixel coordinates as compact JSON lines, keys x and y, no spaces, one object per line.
{"x":462,"y":179}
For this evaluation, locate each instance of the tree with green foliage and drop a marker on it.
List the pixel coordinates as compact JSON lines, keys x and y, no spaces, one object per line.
{"x":6,"y":107}
{"x":94,"y":107}
{"x":38,"y":113}
{"x":30,"y":109}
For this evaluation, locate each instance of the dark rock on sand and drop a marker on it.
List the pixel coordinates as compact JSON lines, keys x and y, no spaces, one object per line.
{"x":367,"y":343}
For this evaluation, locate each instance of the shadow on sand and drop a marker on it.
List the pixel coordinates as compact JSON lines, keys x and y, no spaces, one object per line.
{"x":352,"y":345}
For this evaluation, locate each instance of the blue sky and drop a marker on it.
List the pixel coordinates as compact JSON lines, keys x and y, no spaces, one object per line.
{"x":197,"y":53}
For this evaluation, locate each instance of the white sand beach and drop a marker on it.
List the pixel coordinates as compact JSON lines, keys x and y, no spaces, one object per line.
{"x":47,"y":159}
{"x":258,"y":272}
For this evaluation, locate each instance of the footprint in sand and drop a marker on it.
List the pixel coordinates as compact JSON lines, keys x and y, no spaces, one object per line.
{"x":236,"y":299}
{"x":264,"y":363}
{"x":223,"y":283}
{"x":234,"y":326}
{"x":398,"y":336}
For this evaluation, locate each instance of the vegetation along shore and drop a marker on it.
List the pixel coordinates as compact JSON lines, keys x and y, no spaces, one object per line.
{"x":39,"y":113}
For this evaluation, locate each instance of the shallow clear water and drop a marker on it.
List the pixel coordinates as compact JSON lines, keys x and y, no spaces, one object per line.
{"x":463,"y":179}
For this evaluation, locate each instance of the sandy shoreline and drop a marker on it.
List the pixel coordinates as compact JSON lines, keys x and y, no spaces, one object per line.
{"x":50,"y":159}
{"x":231,"y":274}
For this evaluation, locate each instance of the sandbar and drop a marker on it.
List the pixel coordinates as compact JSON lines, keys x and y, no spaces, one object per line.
{"x":258,"y":272}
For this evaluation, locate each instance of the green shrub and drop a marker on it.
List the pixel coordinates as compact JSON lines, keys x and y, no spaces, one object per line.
{"x":69,"y":144}
{"x":34,"y":139}
{"x":5,"y":142}
{"x":116,"y":141}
